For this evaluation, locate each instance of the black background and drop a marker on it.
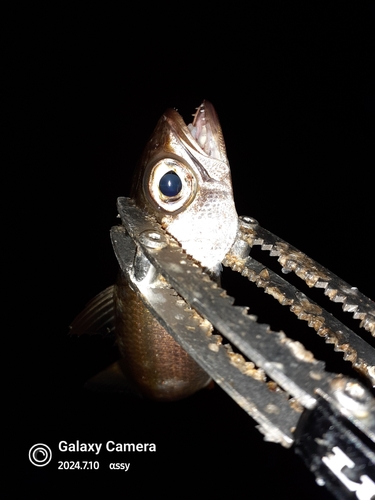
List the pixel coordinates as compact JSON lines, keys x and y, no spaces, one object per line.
{"x":294,"y":89}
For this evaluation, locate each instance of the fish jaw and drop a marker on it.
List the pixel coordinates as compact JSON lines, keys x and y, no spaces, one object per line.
{"x":206,"y":130}
{"x":202,"y":216}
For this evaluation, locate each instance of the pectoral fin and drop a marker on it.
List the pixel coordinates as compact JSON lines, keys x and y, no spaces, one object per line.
{"x":97,"y":317}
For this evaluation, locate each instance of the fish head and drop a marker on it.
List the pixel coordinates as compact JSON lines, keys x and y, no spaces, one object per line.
{"x":184,"y":181}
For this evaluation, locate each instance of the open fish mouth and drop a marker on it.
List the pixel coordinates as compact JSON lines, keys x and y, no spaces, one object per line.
{"x":206,"y":131}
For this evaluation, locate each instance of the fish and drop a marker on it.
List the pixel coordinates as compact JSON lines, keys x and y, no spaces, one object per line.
{"x":183,"y":181}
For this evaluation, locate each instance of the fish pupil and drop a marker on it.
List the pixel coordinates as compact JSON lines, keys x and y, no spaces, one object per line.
{"x":170,"y":184}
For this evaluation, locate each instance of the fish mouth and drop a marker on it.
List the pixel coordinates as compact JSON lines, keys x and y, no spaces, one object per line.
{"x":204,"y":133}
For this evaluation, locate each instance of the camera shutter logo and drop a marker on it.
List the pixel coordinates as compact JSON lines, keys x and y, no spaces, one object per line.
{"x":40,"y":455}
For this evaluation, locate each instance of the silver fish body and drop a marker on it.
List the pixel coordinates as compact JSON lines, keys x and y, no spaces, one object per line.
{"x":183,"y":182}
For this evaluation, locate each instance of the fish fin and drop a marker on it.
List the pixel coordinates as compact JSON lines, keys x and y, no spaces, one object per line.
{"x":97,"y":317}
{"x":211,"y":385}
{"x":111,"y":379}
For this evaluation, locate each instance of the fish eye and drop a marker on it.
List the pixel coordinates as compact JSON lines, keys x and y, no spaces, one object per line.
{"x":170,"y":185}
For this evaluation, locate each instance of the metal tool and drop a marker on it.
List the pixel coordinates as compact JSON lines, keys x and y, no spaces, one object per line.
{"x":328,"y":418}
